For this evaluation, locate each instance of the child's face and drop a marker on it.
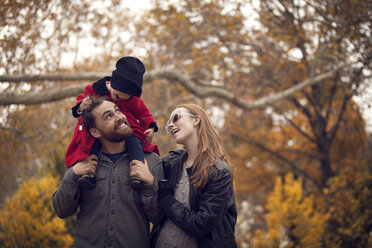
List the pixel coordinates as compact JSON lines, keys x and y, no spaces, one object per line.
{"x":116,"y":94}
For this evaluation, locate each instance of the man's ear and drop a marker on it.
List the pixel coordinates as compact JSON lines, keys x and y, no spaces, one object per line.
{"x":94,"y":132}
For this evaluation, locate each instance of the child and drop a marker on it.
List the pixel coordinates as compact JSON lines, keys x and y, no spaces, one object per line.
{"x":124,"y":88}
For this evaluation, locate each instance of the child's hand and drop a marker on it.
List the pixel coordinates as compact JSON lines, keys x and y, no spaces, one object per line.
{"x":85,"y":104}
{"x":86,"y":166}
{"x":150,"y":134}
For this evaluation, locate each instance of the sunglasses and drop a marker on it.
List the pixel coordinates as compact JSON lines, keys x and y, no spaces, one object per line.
{"x":174,"y":118}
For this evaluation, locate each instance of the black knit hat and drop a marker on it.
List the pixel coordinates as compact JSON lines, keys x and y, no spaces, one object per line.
{"x":128,"y":76}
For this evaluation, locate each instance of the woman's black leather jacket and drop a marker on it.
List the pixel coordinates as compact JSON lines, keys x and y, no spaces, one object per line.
{"x":212,"y":215}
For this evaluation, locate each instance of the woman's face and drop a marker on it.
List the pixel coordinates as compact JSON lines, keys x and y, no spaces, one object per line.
{"x":182,"y":126}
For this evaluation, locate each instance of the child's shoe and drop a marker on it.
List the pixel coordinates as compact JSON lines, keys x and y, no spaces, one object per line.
{"x":136,"y":183}
{"x":87,"y":181}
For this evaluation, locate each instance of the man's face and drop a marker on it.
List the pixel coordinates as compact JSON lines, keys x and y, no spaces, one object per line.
{"x":111,"y":123}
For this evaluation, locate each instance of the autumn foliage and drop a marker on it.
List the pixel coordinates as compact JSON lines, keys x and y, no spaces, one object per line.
{"x":294,"y":219}
{"x":302,"y":175}
{"x":28,"y":218}
{"x":349,"y":200}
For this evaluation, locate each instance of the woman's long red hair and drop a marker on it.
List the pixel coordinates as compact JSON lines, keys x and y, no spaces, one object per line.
{"x":209,"y":146}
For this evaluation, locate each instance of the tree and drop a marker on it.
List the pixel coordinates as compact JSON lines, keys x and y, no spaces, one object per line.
{"x":294,"y":220}
{"x":318,"y":131}
{"x":317,"y":113}
{"x":28,"y":218}
{"x":349,"y":200}
{"x":30,"y":138}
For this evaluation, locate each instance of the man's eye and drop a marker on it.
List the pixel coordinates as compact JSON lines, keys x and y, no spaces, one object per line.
{"x":117,"y":111}
{"x":108,"y":117}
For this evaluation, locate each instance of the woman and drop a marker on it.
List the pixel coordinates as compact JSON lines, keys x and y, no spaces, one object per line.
{"x":197,"y":196}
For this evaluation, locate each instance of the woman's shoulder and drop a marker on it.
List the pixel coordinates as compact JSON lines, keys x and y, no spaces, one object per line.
{"x":173,"y":155}
{"x":219,"y":169}
{"x":220,"y":164}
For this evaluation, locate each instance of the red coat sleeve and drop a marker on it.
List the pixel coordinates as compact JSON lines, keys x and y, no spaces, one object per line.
{"x":81,"y":143}
{"x":88,"y":91}
{"x":142,"y":112}
{"x":139,"y":118}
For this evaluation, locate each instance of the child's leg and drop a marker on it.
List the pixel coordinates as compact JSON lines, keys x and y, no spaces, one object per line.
{"x":134,"y":148}
{"x":96,"y":147}
{"x":89,"y":180}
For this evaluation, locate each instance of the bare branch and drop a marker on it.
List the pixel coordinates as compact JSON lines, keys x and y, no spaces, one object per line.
{"x":86,"y":76}
{"x":280,"y":157}
{"x":296,"y":127}
{"x":5,"y":128}
{"x":41,"y":97}
{"x":172,"y":76}
{"x":333,"y":132}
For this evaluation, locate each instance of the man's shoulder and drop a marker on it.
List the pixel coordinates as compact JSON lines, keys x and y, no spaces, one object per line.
{"x":155,"y":164}
{"x":152,"y":156}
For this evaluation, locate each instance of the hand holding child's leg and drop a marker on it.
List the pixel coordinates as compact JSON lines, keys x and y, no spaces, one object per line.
{"x":88,"y":180}
{"x":86,"y":170}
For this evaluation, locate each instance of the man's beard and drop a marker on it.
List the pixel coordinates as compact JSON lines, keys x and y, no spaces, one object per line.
{"x":116,"y":136}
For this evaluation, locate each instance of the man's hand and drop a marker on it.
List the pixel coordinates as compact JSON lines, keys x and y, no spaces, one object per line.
{"x":150,"y":134}
{"x":85,"y":104}
{"x":141,"y":170}
{"x":86,"y":166}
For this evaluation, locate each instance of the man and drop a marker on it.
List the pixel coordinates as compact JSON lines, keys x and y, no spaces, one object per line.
{"x":112,"y":214}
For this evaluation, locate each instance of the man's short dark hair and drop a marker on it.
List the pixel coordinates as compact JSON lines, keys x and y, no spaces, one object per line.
{"x":88,"y":117}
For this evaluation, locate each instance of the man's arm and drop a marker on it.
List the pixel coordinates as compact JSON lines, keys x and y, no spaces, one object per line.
{"x":150,"y":173}
{"x":66,"y":198}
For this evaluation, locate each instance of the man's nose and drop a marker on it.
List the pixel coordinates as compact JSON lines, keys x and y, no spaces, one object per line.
{"x":120,"y":115}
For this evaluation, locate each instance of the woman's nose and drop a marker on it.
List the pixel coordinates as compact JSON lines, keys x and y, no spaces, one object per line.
{"x":169,"y":126}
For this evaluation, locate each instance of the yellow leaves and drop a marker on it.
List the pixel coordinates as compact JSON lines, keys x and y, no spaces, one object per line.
{"x":28,"y":219}
{"x":350,"y":198}
{"x":297,"y":220}
{"x":180,"y":17}
{"x":293,"y":218}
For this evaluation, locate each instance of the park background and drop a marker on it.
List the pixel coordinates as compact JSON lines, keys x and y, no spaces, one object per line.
{"x":286,"y":83}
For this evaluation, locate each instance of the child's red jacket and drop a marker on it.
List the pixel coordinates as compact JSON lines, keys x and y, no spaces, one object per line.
{"x":136,"y":111}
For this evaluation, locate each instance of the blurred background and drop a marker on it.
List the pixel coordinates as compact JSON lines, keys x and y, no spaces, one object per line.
{"x":287,"y":84}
